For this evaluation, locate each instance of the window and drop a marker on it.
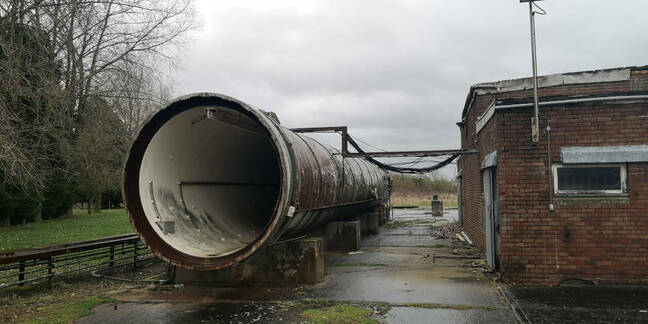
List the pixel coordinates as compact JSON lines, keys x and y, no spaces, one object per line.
{"x":589,"y":179}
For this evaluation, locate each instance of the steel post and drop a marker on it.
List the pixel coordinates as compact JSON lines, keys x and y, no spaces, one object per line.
{"x":112,"y":256}
{"x":50,"y":267}
{"x":535,"y":128}
{"x":21,"y":273}
{"x":134,"y":256}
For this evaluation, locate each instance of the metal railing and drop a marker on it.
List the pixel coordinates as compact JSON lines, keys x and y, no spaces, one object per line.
{"x":20,"y":267}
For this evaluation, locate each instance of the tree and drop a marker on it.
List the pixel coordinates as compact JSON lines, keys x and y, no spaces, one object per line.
{"x":136,"y":93}
{"x":99,"y":153}
{"x":65,"y":66}
{"x":32,"y":138}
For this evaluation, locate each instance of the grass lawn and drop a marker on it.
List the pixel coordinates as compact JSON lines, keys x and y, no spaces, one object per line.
{"x":67,"y":312}
{"x":79,"y":227}
{"x":70,"y":298}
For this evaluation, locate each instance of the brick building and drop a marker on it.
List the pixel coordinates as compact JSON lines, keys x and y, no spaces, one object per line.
{"x":580,"y":211}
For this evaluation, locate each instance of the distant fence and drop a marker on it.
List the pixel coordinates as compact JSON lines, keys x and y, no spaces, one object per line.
{"x":20,"y":267}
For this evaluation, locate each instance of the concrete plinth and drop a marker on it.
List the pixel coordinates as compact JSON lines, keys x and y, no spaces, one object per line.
{"x":384,"y":214}
{"x":437,"y":207}
{"x":342,"y":236}
{"x":388,"y":215}
{"x":295,"y":262}
{"x":370,"y":222}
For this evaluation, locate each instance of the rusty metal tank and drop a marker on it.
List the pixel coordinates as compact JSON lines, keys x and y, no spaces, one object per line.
{"x":209,"y":180}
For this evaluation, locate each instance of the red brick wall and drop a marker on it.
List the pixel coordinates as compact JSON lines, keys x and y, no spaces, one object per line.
{"x":596,"y":239}
{"x":471,"y":181}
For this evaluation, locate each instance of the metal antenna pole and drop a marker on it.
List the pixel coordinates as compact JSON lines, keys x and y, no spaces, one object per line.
{"x":535,"y":128}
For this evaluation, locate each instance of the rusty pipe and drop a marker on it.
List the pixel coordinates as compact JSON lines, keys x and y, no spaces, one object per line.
{"x":208,"y":180}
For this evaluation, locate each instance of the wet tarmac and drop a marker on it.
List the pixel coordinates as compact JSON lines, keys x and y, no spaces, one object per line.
{"x":185,"y":312}
{"x":582,"y":304}
{"x":408,"y":271}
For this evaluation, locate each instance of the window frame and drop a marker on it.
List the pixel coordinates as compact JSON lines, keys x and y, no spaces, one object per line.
{"x":623,"y":174}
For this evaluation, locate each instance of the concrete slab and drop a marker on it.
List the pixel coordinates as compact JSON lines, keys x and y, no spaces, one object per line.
{"x":427,"y":280}
{"x":128,"y":313}
{"x":409,"y":231}
{"x":402,"y":240}
{"x":438,"y":285}
{"x":408,"y":265}
{"x":425,"y":215}
{"x":205,"y":294}
{"x":409,"y":257}
{"x":408,"y":315}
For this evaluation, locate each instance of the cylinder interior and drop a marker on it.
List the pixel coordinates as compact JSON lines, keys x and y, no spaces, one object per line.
{"x":209,"y":181}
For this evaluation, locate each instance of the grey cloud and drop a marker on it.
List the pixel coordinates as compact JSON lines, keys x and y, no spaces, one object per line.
{"x":396,"y":72}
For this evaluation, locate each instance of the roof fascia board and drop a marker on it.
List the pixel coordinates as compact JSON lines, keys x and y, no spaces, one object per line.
{"x":574,"y":101}
{"x":604,"y":154}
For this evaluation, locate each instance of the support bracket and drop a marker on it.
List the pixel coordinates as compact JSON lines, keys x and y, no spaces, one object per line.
{"x":343,"y":131}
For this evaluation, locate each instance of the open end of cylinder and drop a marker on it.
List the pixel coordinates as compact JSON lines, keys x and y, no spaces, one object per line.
{"x":209,"y":184}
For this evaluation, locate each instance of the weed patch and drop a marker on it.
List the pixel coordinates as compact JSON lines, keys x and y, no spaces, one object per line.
{"x":341,"y":313}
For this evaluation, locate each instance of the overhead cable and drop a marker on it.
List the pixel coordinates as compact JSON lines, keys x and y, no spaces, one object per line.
{"x":401,"y":169}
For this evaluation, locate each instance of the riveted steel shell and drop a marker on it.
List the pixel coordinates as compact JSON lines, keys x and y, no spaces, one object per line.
{"x":317,"y":184}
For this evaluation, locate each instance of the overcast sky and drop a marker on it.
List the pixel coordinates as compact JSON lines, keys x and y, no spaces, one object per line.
{"x":396,"y":72}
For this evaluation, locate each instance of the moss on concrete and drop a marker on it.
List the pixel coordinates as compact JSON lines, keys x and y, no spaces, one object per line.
{"x":447,"y":306}
{"x":408,"y":223}
{"x":342,"y":313}
{"x":359,"y":265}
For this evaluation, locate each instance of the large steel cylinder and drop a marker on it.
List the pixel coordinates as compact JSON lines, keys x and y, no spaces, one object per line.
{"x":209,"y":180}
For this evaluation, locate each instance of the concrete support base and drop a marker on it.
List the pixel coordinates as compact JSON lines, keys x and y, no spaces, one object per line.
{"x":295,"y":262}
{"x":342,"y":236}
{"x":384,"y":214}
{"x":370,"y":222}
{"x":437,"y":207}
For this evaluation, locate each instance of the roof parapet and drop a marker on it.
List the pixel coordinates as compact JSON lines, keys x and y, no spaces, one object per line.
{"x":582,"y":77}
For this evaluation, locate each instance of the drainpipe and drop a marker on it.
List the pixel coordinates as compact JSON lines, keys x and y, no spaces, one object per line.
{"x":551,"y":205}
